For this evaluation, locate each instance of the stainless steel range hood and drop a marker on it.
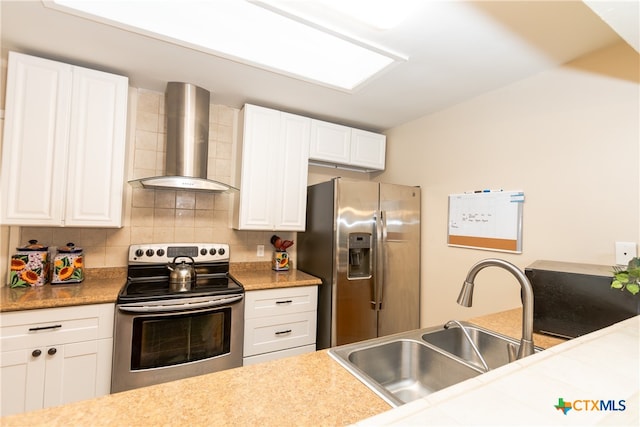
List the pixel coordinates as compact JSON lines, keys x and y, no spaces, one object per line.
{"x":187,"y":110}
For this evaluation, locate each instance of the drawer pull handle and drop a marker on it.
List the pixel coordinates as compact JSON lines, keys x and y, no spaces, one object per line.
{"x":288,"y":331}
{"x":36,"y":353}
{"x":43,"y":328}
{"x":289,"y":301}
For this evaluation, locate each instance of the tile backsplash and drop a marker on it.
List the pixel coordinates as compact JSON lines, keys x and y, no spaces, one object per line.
{"x":161,"y":215}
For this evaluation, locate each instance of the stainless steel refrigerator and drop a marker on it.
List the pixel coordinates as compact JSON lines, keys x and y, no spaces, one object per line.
{"x":362,"y":239}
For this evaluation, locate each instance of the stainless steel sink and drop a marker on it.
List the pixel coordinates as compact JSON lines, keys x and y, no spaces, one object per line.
{"x":408,"y":369}
{"x":404,"y":367}
{"x":493,"y":346}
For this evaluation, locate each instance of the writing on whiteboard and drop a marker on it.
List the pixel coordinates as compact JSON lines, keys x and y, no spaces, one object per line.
{"x":491,"y":215}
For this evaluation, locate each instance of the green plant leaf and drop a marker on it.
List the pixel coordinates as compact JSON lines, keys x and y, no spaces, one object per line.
{"x":633,"y":263}
{"x":634,"y":288}
{"x":635,"y":272}
{"x":622,"y":277}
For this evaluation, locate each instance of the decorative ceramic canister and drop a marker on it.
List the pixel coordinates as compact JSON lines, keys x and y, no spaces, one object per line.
{"x":280,"y":261}
{"x":68,"y":265}
{"x":30,"y":266}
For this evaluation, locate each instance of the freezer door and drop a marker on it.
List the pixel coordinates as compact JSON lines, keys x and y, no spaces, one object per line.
{"x":355,"y":316}
{"x":399,"y":259}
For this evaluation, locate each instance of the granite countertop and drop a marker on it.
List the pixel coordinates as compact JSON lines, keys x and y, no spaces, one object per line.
{"x":99,"y":286}
{"x":258,"y":276}
{"x":102,"y":285}
{"x":509,"y":323}
{"x":310,"y":389}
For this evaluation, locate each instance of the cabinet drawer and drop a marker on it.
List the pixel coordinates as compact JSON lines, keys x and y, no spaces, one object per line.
{"x":266,"y":334}
{"x":25,"y":329}
{"x":270,"y":302}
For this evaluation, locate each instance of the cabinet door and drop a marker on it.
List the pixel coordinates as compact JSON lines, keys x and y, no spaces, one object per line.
{"x":96,"y":149}
{"x":291,"y":187}
{"x":330,"y":142}
{"x":368,"y":149}
{"x":260,"y":130}
{"x":22,"y":377}
{"x":36,"y":130}
{"x":72,"y":373}
{"x":72,"y":359}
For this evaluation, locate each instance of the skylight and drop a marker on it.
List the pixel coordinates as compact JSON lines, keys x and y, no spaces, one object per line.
{"x":244,"y":32}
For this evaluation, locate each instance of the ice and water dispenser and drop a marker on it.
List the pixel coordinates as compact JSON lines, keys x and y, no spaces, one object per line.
{"x":359,"y":255}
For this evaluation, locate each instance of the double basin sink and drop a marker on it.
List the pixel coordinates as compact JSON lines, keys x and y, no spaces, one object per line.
{"x":404,"y":367}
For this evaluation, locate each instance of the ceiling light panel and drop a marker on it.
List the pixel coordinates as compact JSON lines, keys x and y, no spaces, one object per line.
{"x":243,"y":32}
{"x":379,"y":14}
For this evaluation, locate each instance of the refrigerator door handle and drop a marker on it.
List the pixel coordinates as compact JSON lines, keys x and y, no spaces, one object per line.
{"x":374,"y":264}
{"x":375,"y":283}
{"x":380,"y":233}
{"x":380,"y":250}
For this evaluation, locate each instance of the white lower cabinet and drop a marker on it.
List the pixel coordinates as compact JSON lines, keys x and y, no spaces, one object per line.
{"x":279,"y":323}
{"x":54,"y":356}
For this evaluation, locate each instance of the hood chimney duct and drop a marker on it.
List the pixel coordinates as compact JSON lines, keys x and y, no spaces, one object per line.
{"x":187,"y":110}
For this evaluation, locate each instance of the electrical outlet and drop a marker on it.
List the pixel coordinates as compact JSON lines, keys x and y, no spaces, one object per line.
{"x":260,"y":251}
{"x":624,"y":252}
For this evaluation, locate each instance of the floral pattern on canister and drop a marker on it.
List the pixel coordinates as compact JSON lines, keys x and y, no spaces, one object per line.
{"x":29,"y":269}
{"x":68,"y":268}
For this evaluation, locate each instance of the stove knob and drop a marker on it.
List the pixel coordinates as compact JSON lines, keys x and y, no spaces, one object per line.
{"x":139,"y":252}
{"x":150,"y":252}
{"x":160,"y":252}
{"x":221,"y":251}
{"x":212,"y":251}
{"x":203,"y":251}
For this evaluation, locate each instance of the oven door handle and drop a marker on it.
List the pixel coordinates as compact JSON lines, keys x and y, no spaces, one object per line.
{"x":184,"y":306}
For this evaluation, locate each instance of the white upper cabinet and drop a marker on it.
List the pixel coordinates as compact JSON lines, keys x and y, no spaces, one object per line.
{"x":330,"y":142}
{"x":368,"y":149}
{"x":273,"y":162}
{"x":63,"y":159}
{"x":336,"y":145}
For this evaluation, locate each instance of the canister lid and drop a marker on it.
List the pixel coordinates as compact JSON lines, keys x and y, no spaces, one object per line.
{"x":33,"y":246}
{"x":69,"y":248}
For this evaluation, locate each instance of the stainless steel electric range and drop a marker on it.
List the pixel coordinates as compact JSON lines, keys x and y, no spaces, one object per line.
{"x":162,"y":334}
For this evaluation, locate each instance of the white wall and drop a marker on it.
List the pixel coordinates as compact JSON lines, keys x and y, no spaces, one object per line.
{"x":568,"y":137}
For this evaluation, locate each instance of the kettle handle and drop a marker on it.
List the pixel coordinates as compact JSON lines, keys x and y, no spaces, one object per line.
{"x":172,"y":264}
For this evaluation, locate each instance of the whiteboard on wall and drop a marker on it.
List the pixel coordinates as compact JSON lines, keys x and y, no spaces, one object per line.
{"x":490,"y":220}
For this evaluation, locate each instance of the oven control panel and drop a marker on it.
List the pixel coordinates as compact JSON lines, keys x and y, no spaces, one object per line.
{"x":154,"y":253}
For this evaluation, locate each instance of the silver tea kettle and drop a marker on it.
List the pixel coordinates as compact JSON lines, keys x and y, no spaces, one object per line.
{"x":182,"y":276}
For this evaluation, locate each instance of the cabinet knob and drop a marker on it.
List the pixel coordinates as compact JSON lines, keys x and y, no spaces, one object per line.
{"x":36,"y":353}
{"x":52,"y":351}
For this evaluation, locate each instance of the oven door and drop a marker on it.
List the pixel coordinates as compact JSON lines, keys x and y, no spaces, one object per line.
{"x":168,"y":340}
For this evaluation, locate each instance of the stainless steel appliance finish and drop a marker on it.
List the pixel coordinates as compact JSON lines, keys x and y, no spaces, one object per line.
{"x":187,"y":108}
{"x":363,"y":240}
{"x":182,"y":275}
{"x":466,"y":298}
{"x":407,"y":366}
{"x":164,"y":334}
